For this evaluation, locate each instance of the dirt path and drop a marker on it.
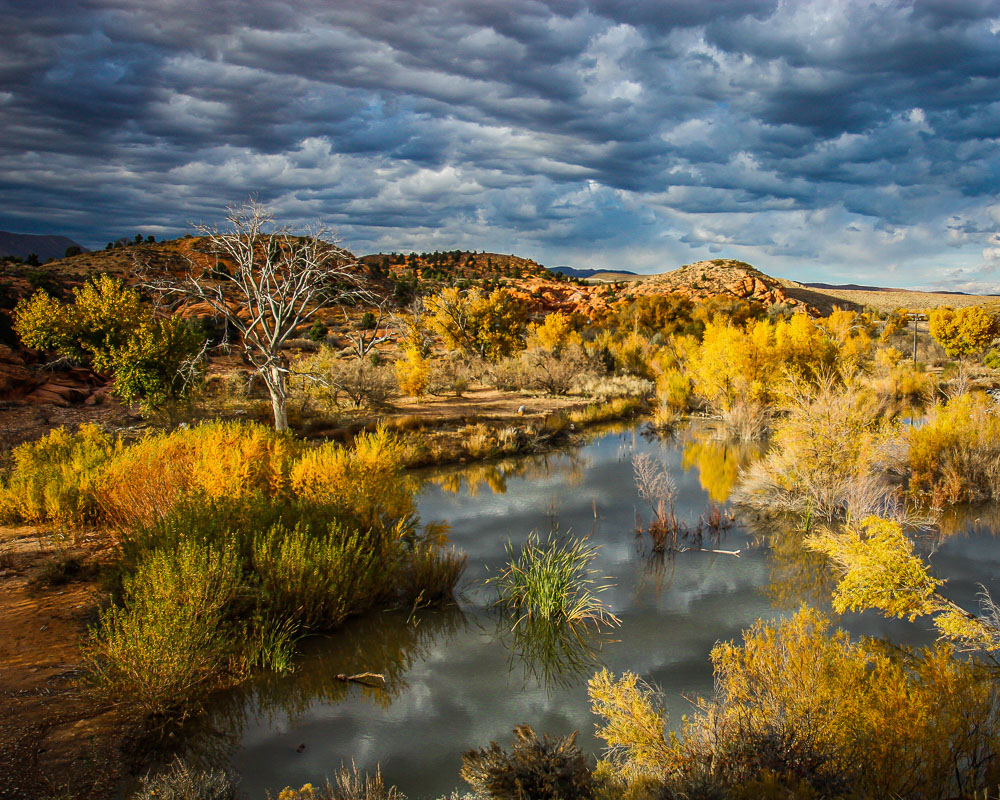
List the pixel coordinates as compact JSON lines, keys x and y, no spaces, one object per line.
{"x":54,"y":741}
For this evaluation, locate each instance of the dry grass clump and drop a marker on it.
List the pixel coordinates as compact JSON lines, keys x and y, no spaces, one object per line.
{"x":829,"y":455}
{"x":547,"y":768}
{"x":657,"y":487}
{"x":612,"y":387}
{"x":348,"y":784}
{"x":183,"y":782}
{"x":746,"y":420}
{"x":666,"y":417}
{"x":616,"y":408}
{"x":451,"y":374}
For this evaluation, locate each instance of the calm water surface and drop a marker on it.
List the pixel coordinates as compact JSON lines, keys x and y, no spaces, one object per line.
{"x":458,"y":678}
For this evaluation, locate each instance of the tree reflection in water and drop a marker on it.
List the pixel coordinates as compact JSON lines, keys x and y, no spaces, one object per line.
{"x":718,"y":461}
{"x":493,"y":475}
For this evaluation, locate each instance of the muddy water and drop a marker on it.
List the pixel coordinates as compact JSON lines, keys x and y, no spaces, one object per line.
{"x":458,"y":678}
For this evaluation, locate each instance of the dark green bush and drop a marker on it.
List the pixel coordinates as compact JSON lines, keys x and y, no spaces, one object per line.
{"x":550,"y":768}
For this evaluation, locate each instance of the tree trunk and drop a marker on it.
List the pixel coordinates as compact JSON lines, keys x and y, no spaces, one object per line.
{"x":279,"y":398}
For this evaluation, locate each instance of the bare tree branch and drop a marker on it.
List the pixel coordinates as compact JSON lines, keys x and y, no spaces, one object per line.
{"x":279,"y":281}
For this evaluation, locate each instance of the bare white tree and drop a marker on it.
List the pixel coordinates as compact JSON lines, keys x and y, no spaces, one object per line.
{"x":279,"y":281}
{"x":363,"y":341}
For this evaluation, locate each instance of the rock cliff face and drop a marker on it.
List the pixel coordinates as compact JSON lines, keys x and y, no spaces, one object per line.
{"x":25,"y":383}
{"x":720,"y":277}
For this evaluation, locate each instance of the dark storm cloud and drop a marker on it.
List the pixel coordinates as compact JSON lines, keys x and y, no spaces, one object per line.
{"x":806,"y":137}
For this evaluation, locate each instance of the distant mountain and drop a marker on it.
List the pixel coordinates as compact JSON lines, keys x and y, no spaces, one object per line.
{"x":590,"y":273}
{"x":45,"y":247}
{"x":856,"y":287}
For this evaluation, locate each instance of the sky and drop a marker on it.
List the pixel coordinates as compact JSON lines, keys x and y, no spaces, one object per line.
{"x":835,"y":141}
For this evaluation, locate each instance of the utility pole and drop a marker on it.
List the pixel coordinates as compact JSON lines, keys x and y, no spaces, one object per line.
{"x":914,"y":318}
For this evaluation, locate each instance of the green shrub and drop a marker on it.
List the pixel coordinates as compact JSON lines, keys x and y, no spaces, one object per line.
{"x":170,"y":641}
{"x":202,"y":599}
{"x":319,"y":580}
{"x":550,"y":768}
{"x":430,"y":573}
{"x":318,"y":332}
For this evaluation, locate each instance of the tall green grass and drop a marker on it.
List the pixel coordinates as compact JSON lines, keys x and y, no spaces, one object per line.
{"x":552,"y":580}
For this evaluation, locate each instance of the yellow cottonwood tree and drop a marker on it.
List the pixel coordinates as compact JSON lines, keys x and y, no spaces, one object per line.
{"x":490,"y":326}
{"x":963,"y":333}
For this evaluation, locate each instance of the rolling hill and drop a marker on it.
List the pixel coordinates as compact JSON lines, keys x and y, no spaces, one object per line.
{"x":22,"y":245}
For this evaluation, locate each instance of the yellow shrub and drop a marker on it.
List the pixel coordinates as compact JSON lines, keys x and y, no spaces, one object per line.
{"x":412,"y":372}
{"x":216,"y":460}
{"x":52,"y":479}
{"x":955,"y":457}
{"x":365,"y":482}
{"x":798,"y":706}
{"x":674,"y":388}
{"x":634,"y":723}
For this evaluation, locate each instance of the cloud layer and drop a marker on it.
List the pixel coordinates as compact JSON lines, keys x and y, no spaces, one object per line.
{"x":838,"y":141}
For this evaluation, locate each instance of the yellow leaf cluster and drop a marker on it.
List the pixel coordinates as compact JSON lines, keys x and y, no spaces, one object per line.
{"x":952,"y":457}
{"x":412,"y":372}
{"x":965,"y":332}
{"x":880,"y":569}
{"x":365,"y":482}
{"x":554,"y":333}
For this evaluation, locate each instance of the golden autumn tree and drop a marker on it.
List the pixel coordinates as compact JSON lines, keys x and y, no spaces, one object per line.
{"x":154,"y":361}
{"x":490,"y":326}
{"x":963,"y":333}
{"x":553,"y":333}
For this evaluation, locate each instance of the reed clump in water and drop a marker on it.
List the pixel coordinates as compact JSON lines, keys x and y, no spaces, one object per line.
{"x":552,"y":580}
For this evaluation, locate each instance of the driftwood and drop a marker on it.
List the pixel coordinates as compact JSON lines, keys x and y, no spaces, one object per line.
{"x":373,"y":679}
{"x":709,"y":550}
